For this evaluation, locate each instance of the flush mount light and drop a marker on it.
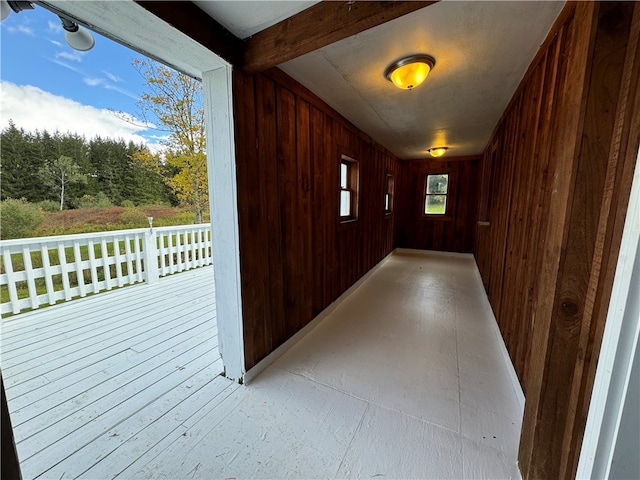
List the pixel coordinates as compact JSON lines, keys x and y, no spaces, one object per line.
{"x":409,"y":72}
{"x":437,"y":151}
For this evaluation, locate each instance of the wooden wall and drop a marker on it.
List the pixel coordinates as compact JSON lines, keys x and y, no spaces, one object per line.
{"x":296,"y":256}
{"x":515,"y":200}
{"x":453,"y":232}
{"x":556,"y":182}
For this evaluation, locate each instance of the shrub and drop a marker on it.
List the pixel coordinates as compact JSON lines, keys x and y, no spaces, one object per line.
{"x":49,"y":206}
{"x":127,"y":204}
{"x":133,"y":218}
{"x":19,"y":218}
{"x":99,"y":200}
{"x":102,"y":201}
{"x":86,"y":201}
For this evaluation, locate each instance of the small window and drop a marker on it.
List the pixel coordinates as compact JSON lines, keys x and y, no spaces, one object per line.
{"x":388,"y":196}
{"x":436,"y":190}
{"x":348,"y":189}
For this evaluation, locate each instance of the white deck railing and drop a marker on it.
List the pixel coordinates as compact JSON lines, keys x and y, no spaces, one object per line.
{"x":46,"y":270}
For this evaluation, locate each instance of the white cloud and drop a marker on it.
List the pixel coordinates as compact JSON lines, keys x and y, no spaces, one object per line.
{"x":66,"y":65}
{"x":120,"y":90}
{"x":74,"y":56}
{"x":21,"y":29}
{"x":33,"y":109}
{"x":54,"y":26}
{"x":93,"y":82}
{"x":112,"y":77}
{"x":56,"y":43}
{"x":104,"y":83}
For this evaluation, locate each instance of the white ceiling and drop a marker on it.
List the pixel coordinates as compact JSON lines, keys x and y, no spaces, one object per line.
{"x":482,"y":50}
{"x":244,"y":18}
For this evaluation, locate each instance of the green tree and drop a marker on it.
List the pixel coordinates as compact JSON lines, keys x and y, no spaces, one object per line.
{"x":107,"y":164}
{"x":59,"y":174}
{"x":174,"y":100}
{"x":20,"y":161}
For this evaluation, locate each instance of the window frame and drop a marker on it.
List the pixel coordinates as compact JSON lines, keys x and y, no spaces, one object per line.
{"x":447,"y":204}
{"x":351,"y":186}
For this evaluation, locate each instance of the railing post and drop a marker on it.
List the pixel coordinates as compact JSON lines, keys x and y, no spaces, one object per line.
{"x":150,"y":257}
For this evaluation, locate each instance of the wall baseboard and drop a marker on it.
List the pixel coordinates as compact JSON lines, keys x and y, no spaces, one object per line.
{"x":515,"y":382}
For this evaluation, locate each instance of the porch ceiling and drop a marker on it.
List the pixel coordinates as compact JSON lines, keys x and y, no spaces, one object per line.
{"x":482,"y":50}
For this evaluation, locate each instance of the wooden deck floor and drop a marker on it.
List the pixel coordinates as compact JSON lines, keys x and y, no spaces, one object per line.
{"x":406,"y":378}
{"x":111,"y":375}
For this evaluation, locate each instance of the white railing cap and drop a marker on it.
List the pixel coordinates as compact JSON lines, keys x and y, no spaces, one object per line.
{"x":20,"y":242}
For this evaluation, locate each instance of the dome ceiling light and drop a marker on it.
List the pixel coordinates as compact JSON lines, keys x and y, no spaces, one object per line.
{"x":437,"y":151}
{"x":409,"y":72}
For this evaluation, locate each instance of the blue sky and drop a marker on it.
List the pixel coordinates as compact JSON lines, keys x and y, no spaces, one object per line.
{"x":48,"y":85}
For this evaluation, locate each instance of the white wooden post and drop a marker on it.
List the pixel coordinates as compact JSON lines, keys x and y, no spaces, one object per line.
{"x":31,"y":281}
{"x":11,"y":282}
{"x":48,"y":280}
{"x":150,"y":257}
{"x":221,"y":163}
{"x":64,"y":270}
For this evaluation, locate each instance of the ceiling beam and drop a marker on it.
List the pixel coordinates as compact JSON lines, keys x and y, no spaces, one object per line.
{"x":317,"y":26}
{"x":192,"y":21}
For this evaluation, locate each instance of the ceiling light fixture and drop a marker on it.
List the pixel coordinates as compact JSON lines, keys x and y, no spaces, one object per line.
{"x":77,"y":37}
{"x":437,"y":151}
{"x":409,"y":72}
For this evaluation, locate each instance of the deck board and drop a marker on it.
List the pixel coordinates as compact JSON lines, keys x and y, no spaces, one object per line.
{"x":86,"y":377}
{"x":50,"y":357}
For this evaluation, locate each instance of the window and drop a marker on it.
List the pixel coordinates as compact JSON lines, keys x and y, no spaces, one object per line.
{"x":388,"y":196}
{"x":348,"y":188}
{"x":436,"y":189}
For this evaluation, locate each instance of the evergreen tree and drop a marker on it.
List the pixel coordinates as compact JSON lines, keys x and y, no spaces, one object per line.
{"x":107,"y":165}
{"x":14,"y":168}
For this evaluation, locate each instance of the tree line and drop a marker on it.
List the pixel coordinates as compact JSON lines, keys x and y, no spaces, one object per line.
{"x":73,"y":171}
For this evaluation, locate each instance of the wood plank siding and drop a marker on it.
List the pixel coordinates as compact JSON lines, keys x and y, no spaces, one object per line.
{"x":452,"y":232}
{"x":555,"y":185}
{"x":296,"y":255}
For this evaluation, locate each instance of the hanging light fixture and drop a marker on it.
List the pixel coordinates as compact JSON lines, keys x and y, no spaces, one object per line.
{"x":437,"y":151}
{"x":409,"y":72}
{"x":77,"y":37}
